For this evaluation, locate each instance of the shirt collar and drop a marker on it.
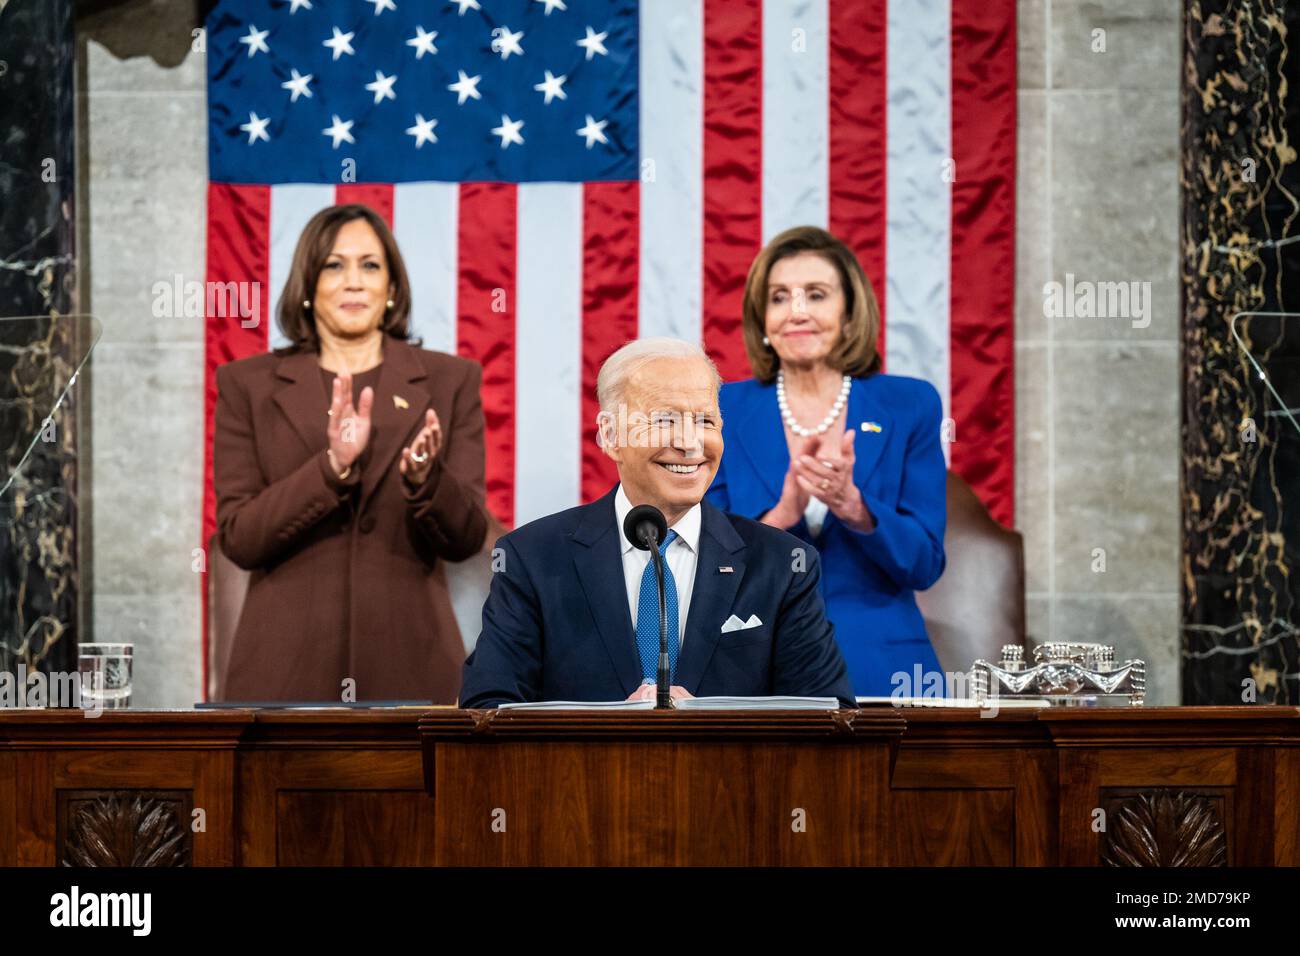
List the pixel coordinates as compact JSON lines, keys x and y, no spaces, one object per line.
{"x":687,"y":527}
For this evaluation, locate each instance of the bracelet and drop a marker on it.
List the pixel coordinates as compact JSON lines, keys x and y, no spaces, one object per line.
{"x":342,"y":475}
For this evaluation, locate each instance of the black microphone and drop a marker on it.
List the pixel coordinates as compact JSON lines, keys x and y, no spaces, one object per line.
{"x":645,"y":526}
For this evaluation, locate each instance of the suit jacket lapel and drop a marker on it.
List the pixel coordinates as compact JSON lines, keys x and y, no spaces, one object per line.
{"x":760,"y":434}
{"x":302,"y":399}
{"x":391,"y":427}
{"x":598,"y":560}
{"x":713,"y":596}
{"x":868,"y":444}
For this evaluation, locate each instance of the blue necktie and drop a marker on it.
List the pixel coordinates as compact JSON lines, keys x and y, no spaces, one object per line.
{"x":647,"y":618}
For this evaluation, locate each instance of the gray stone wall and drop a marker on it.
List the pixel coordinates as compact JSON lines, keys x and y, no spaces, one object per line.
{"x":144,"y":152}
{"x":1097,"y":398}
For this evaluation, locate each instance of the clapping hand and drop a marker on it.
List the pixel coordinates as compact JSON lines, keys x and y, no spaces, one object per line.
{"x":794,"y":498}
{"x":349,"y":426}
{"x":417,"y":457}
{"x":831,"y":482}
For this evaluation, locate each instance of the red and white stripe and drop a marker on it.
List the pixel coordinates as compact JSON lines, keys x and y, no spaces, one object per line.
{"x":756,"y":115}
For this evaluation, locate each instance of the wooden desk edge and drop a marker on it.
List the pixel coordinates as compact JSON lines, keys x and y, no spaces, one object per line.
{"x":847,"y":725}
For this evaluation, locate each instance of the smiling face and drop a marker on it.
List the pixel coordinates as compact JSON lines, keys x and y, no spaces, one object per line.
{"x":805,"y":308}
{"x":671,"y":444}
{"x":353,"y":288}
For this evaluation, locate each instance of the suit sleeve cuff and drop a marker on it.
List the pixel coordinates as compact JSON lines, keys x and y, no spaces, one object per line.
{"x":877,"y":511}
{"x":340,"y":486}
{"x":424,"y":491}
{"x":885,"y":543}
{"x":874,"y":511}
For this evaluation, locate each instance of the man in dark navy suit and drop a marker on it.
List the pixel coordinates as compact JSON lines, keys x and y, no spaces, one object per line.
{"x":573,"y":611}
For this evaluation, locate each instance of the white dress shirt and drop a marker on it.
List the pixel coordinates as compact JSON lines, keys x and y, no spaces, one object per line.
{"x":681,"y":558}
{"x":815,"y":515}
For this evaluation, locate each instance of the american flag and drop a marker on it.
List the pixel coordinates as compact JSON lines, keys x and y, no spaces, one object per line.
{"x":565,"y":175}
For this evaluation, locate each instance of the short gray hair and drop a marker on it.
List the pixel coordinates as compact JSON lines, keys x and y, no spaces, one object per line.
{"x":611,"y":383}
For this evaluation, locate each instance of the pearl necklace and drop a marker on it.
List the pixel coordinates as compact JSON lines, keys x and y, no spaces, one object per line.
{"x":827,"y":422}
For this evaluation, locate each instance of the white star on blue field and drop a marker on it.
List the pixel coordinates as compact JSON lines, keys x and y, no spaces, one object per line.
{"x":517,"y":90}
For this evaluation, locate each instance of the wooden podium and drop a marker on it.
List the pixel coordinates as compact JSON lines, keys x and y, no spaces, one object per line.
{"x":1206,"y":786}
{"x":627,"y":788}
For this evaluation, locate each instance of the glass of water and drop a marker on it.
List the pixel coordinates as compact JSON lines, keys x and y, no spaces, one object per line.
{"x":105,"y":675}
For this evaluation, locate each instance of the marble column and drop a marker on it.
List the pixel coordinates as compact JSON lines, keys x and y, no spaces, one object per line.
{"x":39,"y":585}
{"x":1240,"y":252}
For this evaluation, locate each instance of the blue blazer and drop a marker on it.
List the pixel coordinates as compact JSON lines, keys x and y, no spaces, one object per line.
{"x":868,"y":580}
{"x":556,"y":623}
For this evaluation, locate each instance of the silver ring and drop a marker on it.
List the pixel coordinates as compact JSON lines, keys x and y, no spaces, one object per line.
{"x":419,"y":459}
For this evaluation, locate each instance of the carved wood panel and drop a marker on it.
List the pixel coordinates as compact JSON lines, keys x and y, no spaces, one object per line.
{"x":124,"y":827}
{"x":1164,"y":827}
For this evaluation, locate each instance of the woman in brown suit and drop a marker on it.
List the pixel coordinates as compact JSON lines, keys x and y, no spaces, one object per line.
{"x":346,"y":466}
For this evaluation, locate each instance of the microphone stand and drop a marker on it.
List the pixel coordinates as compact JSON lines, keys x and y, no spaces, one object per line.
{"x":663,"y":700}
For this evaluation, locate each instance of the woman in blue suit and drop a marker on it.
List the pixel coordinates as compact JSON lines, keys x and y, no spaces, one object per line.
{"x":824,"y":445}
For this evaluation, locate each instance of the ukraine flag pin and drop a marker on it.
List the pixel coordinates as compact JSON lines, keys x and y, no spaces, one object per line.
{"x":870,"y":427}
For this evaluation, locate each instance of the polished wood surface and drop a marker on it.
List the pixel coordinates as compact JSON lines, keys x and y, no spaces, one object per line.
{"x":1071,"y":786}
{"x":333,"y":788}
{"x":943,"y":786}
{"x":660,"y":788}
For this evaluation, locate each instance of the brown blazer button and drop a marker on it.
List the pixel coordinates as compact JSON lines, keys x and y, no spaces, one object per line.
{"x":366,"y":524}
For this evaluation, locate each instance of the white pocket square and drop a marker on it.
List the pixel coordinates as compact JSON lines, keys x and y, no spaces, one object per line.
{"x":734,"y":623}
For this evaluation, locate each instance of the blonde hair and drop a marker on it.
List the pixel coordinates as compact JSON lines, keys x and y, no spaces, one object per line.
{"x":855,"y":354}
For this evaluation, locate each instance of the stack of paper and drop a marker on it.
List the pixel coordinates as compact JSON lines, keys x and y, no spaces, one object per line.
{"x":758,"y":703}
{"x":582,"y":705}
{"x":1009,"y":702}
{"x":690,"y":703}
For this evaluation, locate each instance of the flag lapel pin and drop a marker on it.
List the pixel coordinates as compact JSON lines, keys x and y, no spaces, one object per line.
{"x":399,"y":402}
{"x":871,"y":427}
{"x":725,"y":569}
